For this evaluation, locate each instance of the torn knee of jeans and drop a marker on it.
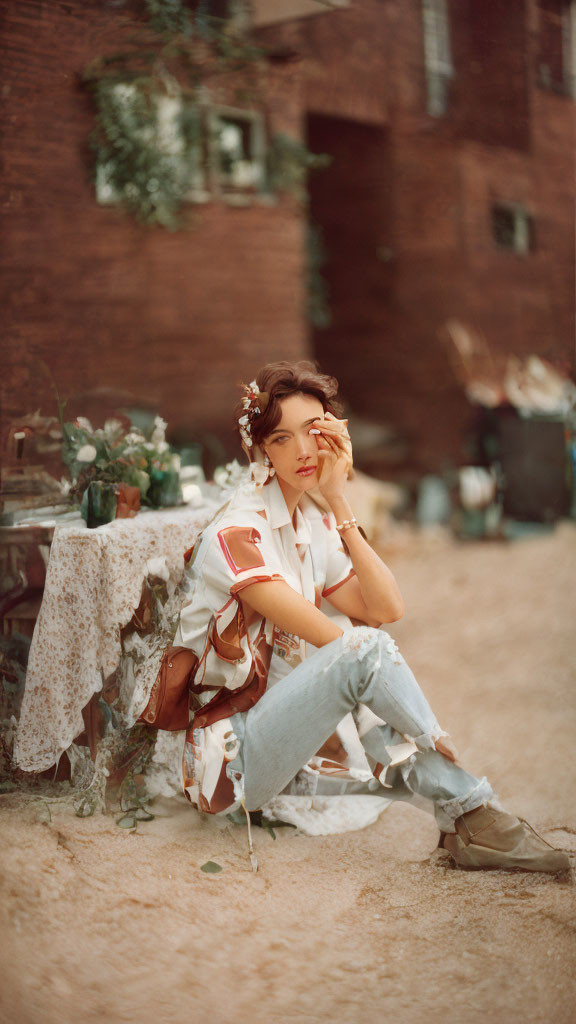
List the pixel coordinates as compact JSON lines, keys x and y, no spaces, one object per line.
{"x":363,"y":639}
{"x":360,"y":639}
{"x":390,"y":647}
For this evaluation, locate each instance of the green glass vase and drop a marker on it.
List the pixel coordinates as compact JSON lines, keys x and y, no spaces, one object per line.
{"x":99,"y":504}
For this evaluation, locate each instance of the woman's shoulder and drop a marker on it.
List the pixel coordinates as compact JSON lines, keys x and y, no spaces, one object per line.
{"x":243,"y":511}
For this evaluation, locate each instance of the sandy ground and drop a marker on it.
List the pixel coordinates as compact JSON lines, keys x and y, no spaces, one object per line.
{"x":97,"y":924}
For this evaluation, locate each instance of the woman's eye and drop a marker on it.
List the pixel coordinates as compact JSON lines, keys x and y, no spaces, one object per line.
{"x":279,"y":440}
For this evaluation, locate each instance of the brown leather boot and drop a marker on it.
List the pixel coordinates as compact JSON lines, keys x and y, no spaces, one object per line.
{"x":489,"y":838}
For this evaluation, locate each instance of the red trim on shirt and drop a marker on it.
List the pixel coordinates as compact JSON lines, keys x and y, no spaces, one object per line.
{"x":274,"y":577}
{"x":331,"y":590}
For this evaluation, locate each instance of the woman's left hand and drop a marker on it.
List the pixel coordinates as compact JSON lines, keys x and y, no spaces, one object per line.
{"x":334,"y":455}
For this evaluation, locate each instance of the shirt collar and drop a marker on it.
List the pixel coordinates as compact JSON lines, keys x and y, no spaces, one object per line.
{"x":275,"y":504}
{"x":279,"y":516}
{"x":271,"y":499}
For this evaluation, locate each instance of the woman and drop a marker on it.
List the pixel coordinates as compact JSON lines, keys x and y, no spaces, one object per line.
{"x":278,"y":672}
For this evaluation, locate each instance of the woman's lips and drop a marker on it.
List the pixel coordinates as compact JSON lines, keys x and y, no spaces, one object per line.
{"x":308,"y":471}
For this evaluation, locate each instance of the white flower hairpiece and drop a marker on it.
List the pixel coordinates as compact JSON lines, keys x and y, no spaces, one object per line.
{"x":254,"y":403}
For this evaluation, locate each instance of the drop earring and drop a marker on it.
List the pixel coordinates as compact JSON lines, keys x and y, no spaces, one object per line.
{"x":269,"y":466}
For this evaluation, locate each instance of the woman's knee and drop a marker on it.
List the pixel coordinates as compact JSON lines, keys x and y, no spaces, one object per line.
{"x":370,"y":643}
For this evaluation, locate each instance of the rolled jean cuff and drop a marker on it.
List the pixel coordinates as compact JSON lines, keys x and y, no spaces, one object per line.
{"x":446,"y":811}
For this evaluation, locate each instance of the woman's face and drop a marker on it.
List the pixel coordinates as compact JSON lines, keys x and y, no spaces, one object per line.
{"x":291,"y":448}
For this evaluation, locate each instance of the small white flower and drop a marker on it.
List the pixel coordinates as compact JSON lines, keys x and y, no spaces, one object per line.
{"x":113,"y":429}
{"x":87,"y":453}
{"x":159,"y":432}
{"x":192,"y":495}
{"x":84,"y":424}
{"x":149,"y":446}
{"x":244,"y":419}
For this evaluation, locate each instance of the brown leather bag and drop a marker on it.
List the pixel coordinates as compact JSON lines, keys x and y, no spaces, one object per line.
{"x":169,"y":704}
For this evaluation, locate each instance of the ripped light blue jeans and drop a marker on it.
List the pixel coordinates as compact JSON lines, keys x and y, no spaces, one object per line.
{"x":300,"y":712}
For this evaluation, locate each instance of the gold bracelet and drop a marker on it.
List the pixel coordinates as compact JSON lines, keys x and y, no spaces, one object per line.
{"x":346,"y":524}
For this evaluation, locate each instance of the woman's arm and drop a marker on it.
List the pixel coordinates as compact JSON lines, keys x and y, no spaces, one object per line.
{"x":373,"y":596}
{"x":290,"y":611}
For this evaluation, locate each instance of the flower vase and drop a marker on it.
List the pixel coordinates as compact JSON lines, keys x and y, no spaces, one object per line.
{"x":165,"y":489}
{"x":99,"y":503}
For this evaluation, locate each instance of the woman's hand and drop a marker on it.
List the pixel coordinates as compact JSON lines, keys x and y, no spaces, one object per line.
{"x":334,"y":456}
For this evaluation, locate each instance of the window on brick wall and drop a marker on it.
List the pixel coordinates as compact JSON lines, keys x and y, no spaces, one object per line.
{"x":236,"y":152}
{"x":226,"y":157}
{"x":437,"y":56}
{"x":556,"y":69}
{"x":512,"y":227}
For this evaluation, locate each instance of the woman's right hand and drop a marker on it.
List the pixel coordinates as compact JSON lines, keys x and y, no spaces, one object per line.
{"x":334,"y":456}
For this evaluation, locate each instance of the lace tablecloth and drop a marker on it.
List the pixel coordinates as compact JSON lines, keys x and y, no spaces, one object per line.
{"x":93,"y":584}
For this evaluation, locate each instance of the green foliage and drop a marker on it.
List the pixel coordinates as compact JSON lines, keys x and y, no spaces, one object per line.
{"x":175,"y":53}
{"x":319,"y":314}
{"x":211,"y":867}
{"x":143,"y":164}
{"x":170,"y":16}
{"x":144,"y":174}
{"x":289,"y":162}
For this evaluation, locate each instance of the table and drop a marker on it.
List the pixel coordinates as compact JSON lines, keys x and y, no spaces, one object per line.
{"x":93,"y":585}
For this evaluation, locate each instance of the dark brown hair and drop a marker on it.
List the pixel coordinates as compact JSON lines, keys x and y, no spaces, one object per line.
{"x":281,"y":379}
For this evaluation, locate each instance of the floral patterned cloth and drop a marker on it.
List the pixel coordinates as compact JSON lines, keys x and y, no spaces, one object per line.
{"x":93,"y":584}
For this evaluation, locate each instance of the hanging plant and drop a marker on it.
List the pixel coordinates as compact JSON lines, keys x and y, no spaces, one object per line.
{"x":318,"y":305}
{"x":170,"y":16}
{"x":146,"y":143}
{"x":289,"y":162}
{"x":148,"y":138}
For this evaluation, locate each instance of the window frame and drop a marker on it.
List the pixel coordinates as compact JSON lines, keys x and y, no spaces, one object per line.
{"x":438,"y":62}
{"x":219,"y":188}
{"x":524,"y":227}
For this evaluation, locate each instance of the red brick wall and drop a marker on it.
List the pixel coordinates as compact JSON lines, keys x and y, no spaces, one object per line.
{"x":175,"y":320}
{"x":345,"y":53}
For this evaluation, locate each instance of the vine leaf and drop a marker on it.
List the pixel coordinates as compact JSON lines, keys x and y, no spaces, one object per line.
{"x":211,"y":867}
{"x":144,"y":815}
{"x":127,"y":821}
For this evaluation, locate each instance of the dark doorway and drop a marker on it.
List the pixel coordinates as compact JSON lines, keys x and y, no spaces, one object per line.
{"x":349,"y":214}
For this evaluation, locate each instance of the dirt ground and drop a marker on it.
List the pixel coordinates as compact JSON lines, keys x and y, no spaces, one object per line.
{"x":99,"y":924}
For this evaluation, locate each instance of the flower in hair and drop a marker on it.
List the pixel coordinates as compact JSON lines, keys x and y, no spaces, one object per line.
{"x":254,"y":403}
